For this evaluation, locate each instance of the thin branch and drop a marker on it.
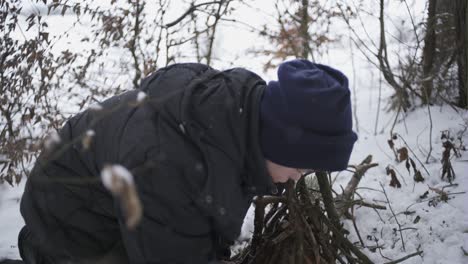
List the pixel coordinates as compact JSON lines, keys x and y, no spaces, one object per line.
{"x":378,"y":104}
{"x":418,"y":253}
{"x":396,"y":219}
{"x":430,"y":133}
{"x":353,"y":218}
{"x":370,"y":205}
{"x":326,"y":192}
{"x":134,"y":43}
{"x":356,"y":120}
{"x":190,"y":10}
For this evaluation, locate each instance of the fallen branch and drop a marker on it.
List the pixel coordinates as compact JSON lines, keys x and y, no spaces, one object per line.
{"x":299,"y":229}
{"x":370,"y":205}
{"x":344,"y":201}
{"x":418,"y":253}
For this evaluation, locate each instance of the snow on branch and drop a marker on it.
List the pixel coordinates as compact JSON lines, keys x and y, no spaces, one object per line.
{"x":119,"y":181}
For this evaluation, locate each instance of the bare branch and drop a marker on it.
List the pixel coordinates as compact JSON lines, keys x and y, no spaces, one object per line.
{"x":192,"y":9}
{"x":418,"y":253}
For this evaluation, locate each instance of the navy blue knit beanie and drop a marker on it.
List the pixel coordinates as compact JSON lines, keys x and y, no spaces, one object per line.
{"x":305,"y":117}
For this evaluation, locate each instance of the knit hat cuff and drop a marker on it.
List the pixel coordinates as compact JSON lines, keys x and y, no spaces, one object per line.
{"x":309,"y":151}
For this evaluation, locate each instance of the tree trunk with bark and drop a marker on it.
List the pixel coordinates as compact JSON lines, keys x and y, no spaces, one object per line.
{"x":304,"y":29}
{"x":429,"y":53}
{"x":461,"y":14}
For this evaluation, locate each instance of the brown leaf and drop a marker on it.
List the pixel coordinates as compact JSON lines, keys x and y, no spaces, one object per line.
{"x":390,"y":143}
{"x":394,"y":182}
{"x":443,"y":136}
{"x":407,"y":165}
{"x":402,"y":154}
{"x":26,"y":118}
{"x":412,"y":163}
{"x":44,"y":36}
{"x":424,"y":196}
{"x":418,"y":177}
{"x":9,"y":179}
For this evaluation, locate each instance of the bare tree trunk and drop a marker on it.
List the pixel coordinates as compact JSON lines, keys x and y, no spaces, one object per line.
{"x":304,"y":29}
{"x":211,"y":38}
{"x":135,"y":41}
{"x":385,"y":68}
{"x":429,"y":53}
{"x":461,"y":15}
{"x":465,"y":49}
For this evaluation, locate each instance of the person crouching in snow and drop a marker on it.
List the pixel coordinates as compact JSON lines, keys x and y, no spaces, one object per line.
{"x":199,"y":146}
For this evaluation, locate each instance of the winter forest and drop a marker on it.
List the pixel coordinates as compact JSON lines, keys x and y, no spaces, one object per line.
{"x":402,"y":198}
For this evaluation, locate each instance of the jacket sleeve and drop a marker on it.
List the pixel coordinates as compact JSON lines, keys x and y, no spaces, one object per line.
{"x":62,"y":204}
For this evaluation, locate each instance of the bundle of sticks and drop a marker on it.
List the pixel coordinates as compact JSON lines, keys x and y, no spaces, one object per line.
{"x":300,"y":228}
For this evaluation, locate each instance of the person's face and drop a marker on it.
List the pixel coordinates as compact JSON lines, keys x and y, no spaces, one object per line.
{"x":280,"y":173}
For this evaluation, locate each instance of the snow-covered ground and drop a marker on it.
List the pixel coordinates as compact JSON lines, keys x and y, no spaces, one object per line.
{"x":442,"y":229}
{"x":10,"y":220}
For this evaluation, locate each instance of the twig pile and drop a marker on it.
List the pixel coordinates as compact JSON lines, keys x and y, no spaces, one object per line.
{"x":301,"y":229}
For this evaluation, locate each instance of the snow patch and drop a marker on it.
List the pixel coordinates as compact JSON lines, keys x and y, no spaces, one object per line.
{"x":111,"y":173}
{"x":141,"y":96}
{"x":95,"y":107}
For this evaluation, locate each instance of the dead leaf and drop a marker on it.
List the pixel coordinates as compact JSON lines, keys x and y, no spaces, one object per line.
{"x":424,"y":196}
{"x":418,"y":177}
{"x":394,"y":182}
{"x":402,"y":154}
{"x":443,"y":195}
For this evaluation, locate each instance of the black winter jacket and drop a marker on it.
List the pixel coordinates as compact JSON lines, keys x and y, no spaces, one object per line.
{"x":192,"y":147}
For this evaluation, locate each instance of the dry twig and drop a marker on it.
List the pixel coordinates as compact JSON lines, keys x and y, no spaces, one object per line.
{"x":300,"y":229}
